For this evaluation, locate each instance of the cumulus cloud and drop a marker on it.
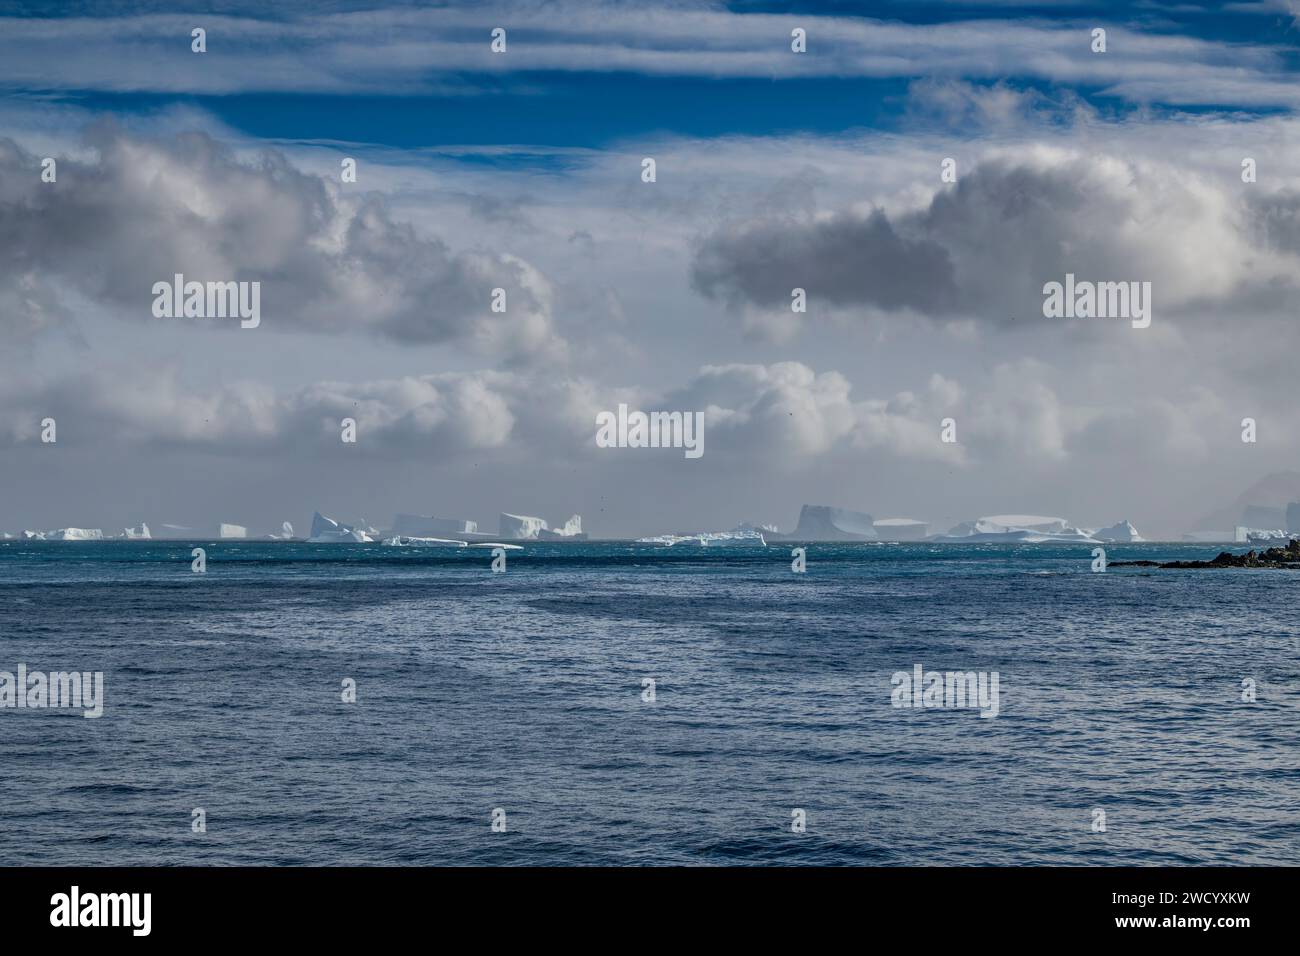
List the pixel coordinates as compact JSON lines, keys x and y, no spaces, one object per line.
{"x":845,"y":259}
{"x":750,"y":411}
{"x":1019,"y":428}
{"x":984,"y":247}
{"x":138,"y":211}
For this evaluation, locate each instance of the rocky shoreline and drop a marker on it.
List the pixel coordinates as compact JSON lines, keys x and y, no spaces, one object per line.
{"x":1288,"y":557}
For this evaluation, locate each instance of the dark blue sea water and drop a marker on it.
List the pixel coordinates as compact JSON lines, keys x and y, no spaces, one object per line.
{"x":1119,"y":691}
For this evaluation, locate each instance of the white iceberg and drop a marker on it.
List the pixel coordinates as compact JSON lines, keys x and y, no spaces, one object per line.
{"x":328,"y":531}
{"x":138,"y":535}
{"x":231,"y":531}
{"x":1123,"y":532}
{"x":520,"y":527}
{"x":1244,"y":535}
{"x":709,"y":539}
{"x":72,"y":534}
{"x":570,"y":530}
{"x":1016,"y":529}
{"x":411,"y":541}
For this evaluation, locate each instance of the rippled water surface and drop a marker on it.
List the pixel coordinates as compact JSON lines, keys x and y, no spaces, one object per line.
{"x":1119,"y":691}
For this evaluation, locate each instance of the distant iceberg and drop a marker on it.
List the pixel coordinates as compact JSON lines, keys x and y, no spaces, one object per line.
{"x":1244,"y":535}
{"x":1016,"y":529}
{"x":529,"y":528}
{"x":571,"y":530}
{"x":409,"y":541}
{"x":825,"y":523}
{"x":66,"y":534}
{"x":328,"y":531}
{"x":142,"y":534}
{"x":231,"y":531}
{"x":1124,"y":532}
{"x":520,"y":527}
{"x":709,"y":539}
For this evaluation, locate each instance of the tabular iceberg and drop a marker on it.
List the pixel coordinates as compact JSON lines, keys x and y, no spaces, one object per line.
{"x":520,"y":527}
{"x":824,"y":523}
{"x":410,"y":541}
{"x":66,"y":534}
{"x":1016,"y":529}
{"x":709,"y":539}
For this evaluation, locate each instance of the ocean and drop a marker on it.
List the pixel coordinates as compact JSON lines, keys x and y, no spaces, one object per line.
{"x":523,"y":699}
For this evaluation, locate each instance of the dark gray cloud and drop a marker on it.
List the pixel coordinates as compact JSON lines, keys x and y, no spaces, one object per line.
{"x":329,"y":258}
{"x":846,"y":260}
{"x":1276,"y":220}
{"x":984,"y":247}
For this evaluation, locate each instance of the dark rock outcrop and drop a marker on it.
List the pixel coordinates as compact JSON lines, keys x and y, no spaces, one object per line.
{"x":1288,"y":557}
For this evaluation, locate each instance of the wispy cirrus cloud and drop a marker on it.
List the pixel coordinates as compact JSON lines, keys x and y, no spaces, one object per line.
{"x":446,"y":49}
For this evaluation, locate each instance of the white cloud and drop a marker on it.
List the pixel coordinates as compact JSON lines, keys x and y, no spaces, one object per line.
{"x":329,"y":259}
{"x":419,"y":50}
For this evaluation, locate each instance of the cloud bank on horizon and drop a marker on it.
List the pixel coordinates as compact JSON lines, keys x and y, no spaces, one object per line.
{"x":500,"y":270}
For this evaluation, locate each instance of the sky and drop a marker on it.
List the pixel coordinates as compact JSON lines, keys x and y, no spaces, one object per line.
{"x":522,"y":170}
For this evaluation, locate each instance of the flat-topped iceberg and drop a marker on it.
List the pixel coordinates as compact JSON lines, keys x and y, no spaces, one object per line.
{"x":1016,"y":529}
{"x":66,"y":534}
{"x":415,"y":541}
{"x":520,"y":527}
{"x":824,"y":523}
{"x":530,"y":528}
